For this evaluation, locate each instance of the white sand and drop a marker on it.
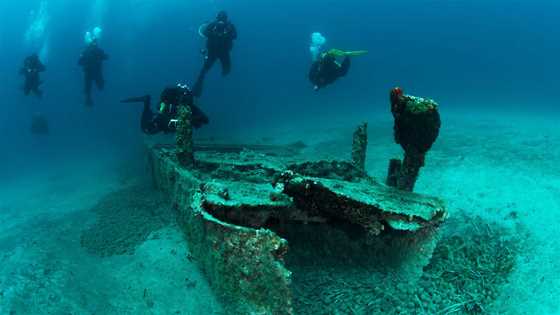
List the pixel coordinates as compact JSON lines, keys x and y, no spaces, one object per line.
{"x":44,"y":269}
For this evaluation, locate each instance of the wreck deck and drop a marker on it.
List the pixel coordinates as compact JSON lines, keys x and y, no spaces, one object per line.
{"x":240,"y":210}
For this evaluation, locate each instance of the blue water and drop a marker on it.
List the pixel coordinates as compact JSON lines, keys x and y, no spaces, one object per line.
{"x":475,"y":58}
{"x":464,"y":54}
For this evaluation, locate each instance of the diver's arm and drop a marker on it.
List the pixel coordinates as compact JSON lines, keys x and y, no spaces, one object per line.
{"x":206,"y":31}
{"x":81,"y":61}
{"x":101,"y":55}
{"x":342,"y":70}
{"x":150,"y":127}
{"x":149,"y":122}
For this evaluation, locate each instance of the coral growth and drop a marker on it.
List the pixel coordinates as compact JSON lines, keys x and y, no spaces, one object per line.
{"x":470,"y":265}
{"x":125,"y":219}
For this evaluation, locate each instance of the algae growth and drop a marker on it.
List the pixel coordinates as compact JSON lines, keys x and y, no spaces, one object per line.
{"x":125,"y":219}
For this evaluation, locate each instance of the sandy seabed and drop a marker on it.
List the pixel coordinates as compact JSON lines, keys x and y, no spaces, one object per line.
{"x":493,"y":173}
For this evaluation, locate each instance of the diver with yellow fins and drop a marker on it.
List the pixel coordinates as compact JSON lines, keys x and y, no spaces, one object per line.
{"x":165,"y":119}
{"x":325,"y":68}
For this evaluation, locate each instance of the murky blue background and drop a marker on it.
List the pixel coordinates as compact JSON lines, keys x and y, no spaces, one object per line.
{"x":471,"y":56}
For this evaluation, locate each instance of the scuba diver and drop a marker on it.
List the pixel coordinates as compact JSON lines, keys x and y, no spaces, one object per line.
{"x":165,"y":120}
{"x":219,"y":35}
{"x":32,"y":66}
{"x":91,"y":61}
{"x":326,"y":69}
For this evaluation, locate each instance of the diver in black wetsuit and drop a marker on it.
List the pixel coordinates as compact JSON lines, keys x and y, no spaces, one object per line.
{"x":220,"y":35}
{"x":165,"y":120}
{"x":32,"y":66}
{"x":325,"y":70}
{"x":91,"y":60}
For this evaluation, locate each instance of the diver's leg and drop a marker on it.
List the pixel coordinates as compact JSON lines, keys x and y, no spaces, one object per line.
{"x":225,"y":59}
{"x":100,"y":82}
{"x":38,"y":92}
{"x":209,"y":61}
{"x":148,"y":124}
{"x":343,"y":70}
{"x":199,"y":84}
{"x":35,"y":83}
{"x":88,"y":82}
{"x":26,"y":88}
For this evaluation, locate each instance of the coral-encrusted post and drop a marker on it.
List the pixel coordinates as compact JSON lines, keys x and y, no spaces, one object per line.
{"x":416,"y":128}
{"x":359,"y":147}
{"x":394,"y":172}
{"x":184,"y":137}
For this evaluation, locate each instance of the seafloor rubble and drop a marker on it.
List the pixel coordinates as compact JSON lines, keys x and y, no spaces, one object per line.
{"x":253,"y":217}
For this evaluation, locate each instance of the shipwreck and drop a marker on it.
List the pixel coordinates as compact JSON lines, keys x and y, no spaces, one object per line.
{"x":244,"y":209}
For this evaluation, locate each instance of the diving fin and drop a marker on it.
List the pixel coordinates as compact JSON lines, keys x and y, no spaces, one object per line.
{"x":342,"y":53}
{"x":356,"y":53}
{"x":140,"y":99}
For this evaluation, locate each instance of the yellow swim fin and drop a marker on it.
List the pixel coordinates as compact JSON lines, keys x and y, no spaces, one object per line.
{"x":356,"y":53}
{"x":342,"y":53}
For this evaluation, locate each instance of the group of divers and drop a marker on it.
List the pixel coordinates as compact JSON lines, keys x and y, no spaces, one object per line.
{"x":220,"y":35}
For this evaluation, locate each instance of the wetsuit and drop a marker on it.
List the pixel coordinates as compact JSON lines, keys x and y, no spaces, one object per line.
{"x":220,"y":35}
{"x":326,"y":70}
{"x":32,"y":66}
{"x":165,"y":119}
{"x":91,"y":61}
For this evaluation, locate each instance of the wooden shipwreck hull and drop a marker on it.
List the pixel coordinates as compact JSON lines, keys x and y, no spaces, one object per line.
{"x":234,"y":206}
